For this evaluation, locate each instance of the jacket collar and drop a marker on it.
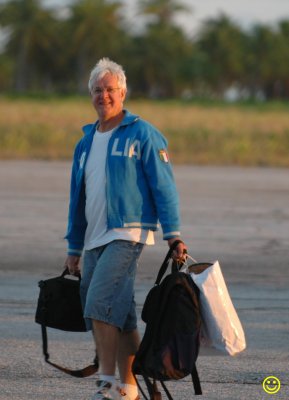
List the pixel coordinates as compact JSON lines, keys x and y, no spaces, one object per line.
{"x":127,"y":120}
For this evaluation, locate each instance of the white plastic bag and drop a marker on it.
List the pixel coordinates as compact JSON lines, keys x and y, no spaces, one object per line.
{"x":222,"y":328}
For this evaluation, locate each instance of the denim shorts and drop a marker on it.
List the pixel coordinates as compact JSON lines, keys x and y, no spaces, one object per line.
{"x":107,"y":284}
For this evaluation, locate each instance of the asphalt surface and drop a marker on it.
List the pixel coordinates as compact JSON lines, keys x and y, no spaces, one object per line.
{"x":238,"y":216}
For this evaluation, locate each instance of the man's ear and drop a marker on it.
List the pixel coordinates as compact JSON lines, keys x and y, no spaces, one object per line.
{"x":123,"y":94}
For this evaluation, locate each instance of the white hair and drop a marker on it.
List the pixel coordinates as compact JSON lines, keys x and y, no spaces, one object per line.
{"x":106,"y":66}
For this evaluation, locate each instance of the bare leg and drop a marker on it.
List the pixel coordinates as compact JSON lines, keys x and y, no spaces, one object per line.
{"x":106,"y":340}
{"x":128,"y":345}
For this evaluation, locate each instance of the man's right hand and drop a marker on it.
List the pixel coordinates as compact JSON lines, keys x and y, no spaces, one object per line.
{"x":72,"y":263}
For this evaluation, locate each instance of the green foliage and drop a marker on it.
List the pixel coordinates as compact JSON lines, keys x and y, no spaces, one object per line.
{"x":31,"y":41}
{"x":95,"y":29}
{"x":163,"y":10}
{"x":222,"y":43}
{"x":162,"y":47}
{"x":51,"y":54}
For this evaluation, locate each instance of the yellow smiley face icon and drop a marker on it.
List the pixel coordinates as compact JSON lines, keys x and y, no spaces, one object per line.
{"x":271,"y":385}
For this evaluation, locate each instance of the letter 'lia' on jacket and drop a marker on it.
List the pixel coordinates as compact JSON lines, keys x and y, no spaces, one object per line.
{"x":140,"y":186}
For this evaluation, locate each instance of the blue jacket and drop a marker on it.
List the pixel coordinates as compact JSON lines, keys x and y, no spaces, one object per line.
{"x":140,"y":187}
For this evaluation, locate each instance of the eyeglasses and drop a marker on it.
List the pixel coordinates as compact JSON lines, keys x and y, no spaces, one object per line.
{"x":108,"y":90}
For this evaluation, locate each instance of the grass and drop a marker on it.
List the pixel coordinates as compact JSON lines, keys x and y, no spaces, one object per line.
{"x":205,"y":134}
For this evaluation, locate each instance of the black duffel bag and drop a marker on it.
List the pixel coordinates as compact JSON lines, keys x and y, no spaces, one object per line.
{"x":59,"y":304}
{"x":59,"y":307}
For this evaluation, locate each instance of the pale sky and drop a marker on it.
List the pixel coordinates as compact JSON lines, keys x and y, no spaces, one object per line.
{"x":244,"y":12}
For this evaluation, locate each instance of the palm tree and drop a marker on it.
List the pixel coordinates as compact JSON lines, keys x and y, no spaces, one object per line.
{"x":221,"y":42}
{"x":269,"y":51}
{"x":165,"y":48}
{"x":30,"y":30}
{"x":164,"y":10}
{"x":96,"y":31}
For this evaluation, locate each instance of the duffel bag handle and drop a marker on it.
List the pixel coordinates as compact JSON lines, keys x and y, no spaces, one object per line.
{"x":165,"y":264}
{"x":66,"y":272}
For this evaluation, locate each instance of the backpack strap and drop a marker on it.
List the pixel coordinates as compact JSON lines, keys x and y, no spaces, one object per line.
{"x":140,"y":388}
{"x":154,"y":393}
{"x":79,"y":373}
{"x":196,"y":381}
{"x":169,"y":396}
{"x":165,"y":264}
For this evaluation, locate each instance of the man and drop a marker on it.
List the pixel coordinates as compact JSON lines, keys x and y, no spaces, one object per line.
{"x":121,"y":186}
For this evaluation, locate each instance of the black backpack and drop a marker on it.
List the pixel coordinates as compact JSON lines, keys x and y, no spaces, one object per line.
{"x":170,"y":345}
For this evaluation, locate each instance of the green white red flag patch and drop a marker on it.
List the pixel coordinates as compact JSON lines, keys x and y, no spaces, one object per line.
{"x":164,"y":155}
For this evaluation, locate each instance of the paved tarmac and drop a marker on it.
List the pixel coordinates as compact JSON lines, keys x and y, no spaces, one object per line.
{"x":238,"y":216}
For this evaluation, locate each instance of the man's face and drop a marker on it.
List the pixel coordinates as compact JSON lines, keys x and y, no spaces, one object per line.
{"x":107,"y":97}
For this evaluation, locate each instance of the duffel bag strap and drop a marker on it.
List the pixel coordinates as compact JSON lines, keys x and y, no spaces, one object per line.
{"x":79,"y":373}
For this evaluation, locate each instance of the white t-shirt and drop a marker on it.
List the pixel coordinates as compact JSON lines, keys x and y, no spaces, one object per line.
{"x":97,"y":233}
